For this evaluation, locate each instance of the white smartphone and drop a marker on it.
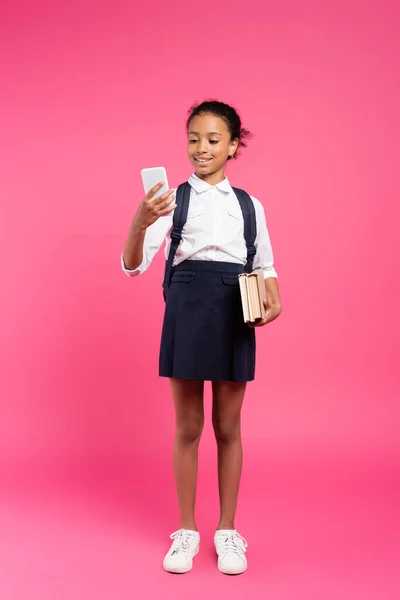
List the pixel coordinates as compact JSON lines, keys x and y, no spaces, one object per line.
{"x":151,"y":177}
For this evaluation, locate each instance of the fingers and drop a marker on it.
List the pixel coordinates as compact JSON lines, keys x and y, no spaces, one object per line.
{"x":164,"y":199}
{"x":151,"y":193}
{"x":167,"y":206}
{"x":161,"y":204}
{"x":167,"y":210}
{"x":257,"y":322}
{"x":269,"y":316}
{"x":163,"y":208}
{"x":265,"y":320}
{"x":159,"y":207}
{"x":160,"y":199}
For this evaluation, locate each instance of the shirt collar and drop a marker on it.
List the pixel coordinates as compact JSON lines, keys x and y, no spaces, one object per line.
{"x":200,"y":186}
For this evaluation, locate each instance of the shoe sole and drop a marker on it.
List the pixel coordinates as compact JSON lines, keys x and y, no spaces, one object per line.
{"x":184,"y":569}
{"x":227,"y":572}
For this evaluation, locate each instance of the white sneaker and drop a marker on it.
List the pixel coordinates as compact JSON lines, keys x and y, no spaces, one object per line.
{"x":179,"y":558}
{"x":231,"y":548}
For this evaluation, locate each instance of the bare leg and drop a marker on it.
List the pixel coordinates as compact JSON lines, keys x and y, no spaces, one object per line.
{"x":189,"y":422}
{"x":227,"y":403}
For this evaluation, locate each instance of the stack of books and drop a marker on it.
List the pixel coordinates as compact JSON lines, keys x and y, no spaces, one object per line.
{"x":252,"y":291}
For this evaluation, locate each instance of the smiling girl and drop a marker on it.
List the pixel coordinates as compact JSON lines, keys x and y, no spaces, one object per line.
{"x":213,"y":232}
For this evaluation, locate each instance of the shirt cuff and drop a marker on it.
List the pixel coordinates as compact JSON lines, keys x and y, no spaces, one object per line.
{"x":270,"y":273}
{"x":131,"y":272}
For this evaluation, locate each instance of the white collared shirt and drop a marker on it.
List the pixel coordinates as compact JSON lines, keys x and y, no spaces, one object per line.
{"x":214,"y":230}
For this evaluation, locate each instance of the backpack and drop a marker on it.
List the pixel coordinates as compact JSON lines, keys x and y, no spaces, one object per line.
{"x":180,"y":217}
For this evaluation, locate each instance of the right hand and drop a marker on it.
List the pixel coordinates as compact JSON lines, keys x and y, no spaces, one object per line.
{"x":150,"y":210}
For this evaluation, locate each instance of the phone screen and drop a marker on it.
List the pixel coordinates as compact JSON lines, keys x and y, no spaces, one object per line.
{"x":152,"y":176}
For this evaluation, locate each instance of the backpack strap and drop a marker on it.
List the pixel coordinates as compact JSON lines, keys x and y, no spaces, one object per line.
{"x":250,"y":226}
{"x":179,"y":220}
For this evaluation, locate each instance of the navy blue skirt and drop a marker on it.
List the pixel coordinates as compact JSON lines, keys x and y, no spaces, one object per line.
{"x":204,"y":335}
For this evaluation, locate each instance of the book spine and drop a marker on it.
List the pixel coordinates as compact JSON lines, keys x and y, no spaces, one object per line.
{"x":249,"y":300}
{"x":243,"y":294}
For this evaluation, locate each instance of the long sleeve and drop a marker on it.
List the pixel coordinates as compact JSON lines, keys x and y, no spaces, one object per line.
{"x":155,"y":235}
{"x":264,"y":257}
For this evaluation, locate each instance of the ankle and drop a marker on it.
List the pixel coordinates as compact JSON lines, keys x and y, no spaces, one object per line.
{"x":225,"y":525}
{"x":190,"y":526}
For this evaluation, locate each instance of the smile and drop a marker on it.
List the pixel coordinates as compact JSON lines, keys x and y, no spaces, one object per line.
{"x":203,"y":161}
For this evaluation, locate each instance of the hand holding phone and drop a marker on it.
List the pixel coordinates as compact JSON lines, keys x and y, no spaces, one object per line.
{"x":157,"y":202}
{"x":151,"y":177}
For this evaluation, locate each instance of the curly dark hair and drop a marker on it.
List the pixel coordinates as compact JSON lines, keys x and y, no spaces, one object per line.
{"x":225,"y":112}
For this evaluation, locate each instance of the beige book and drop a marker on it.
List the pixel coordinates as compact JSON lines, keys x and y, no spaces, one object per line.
{"x":252,"y":292}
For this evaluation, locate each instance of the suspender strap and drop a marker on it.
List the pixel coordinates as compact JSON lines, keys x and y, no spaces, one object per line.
{"x":179,"y":220}
{"x":250,"y":225}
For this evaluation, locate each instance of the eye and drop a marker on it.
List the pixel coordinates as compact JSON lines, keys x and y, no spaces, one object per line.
{"x":214,"y":141}
{"x":192,"y":141}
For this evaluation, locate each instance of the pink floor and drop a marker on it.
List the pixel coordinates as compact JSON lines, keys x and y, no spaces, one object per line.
{"x":323,"y":529}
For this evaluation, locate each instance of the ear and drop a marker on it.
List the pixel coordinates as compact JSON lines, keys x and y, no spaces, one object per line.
{"x":233,"y":146}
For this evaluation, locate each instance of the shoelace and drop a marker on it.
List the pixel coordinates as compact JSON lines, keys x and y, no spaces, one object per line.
{"x":182,"y":540}
{"x":233,"y":542}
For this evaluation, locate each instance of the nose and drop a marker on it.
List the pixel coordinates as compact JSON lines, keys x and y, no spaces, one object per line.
{"x":203,"y":146}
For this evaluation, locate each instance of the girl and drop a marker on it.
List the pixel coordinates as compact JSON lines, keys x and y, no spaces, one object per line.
{"x":217,"y":232}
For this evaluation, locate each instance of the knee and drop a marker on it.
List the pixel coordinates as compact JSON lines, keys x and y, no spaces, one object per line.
{"x":226,"y":433}
{"x":190,"y":432}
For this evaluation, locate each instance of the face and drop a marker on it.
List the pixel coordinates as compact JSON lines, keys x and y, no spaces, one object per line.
{"x":209,"y":145}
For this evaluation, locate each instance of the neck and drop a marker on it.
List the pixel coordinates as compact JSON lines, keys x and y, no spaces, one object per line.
{"x":213,"y":178}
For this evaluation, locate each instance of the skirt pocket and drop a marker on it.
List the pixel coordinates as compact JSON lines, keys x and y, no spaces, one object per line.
{"x":230,"y":279}
{"x":183,"y":276}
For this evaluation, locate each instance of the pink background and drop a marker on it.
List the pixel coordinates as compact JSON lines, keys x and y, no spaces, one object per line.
{"x":92,"y":93}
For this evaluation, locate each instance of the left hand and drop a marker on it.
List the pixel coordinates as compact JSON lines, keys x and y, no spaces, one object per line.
{"x":272,"y":312}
